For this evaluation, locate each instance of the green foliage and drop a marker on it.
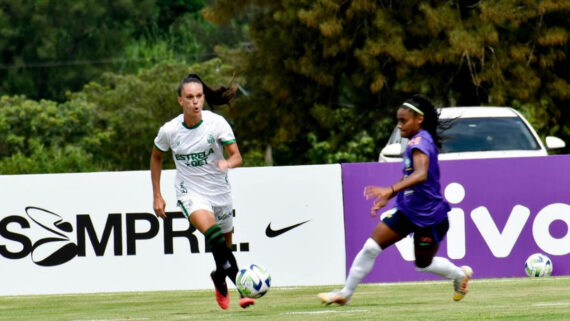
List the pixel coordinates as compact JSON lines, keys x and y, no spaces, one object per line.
{"x":109,"y":125}
{"x":133,"y":108}
{"x":344,"y":143}
{"x":253,"y":158}
{"x":171,"y":10}
{"x":46,"y":136}
{"x":25,"y":122}
{"x":69,"y":159}
{"x":321,"y":79}
{"x":359,"y":149}
{"x":50,"y":47}
{"x":178,"y":35}
{"x":371,"y":55}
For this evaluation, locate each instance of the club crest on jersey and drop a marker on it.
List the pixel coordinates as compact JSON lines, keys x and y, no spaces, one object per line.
{"x":211,"y":139}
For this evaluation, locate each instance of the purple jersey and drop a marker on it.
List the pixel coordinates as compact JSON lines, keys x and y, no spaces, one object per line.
{"x":423,"y":204}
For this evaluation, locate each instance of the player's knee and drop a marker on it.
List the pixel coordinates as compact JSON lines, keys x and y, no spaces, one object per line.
{"x":371,"y":248}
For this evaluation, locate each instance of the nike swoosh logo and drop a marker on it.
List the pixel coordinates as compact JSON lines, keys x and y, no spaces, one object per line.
{"x":273,"y":233}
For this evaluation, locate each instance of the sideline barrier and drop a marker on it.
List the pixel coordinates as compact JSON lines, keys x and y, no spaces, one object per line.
{"x":503,"y":210}
{"x":96,"y":232}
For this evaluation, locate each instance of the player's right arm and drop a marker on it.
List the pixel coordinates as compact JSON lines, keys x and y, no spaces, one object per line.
{"x":155,"y":170}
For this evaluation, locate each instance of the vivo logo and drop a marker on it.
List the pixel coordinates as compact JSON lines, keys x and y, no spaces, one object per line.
{"x":62,"y":241}
{"x":500,"y":241}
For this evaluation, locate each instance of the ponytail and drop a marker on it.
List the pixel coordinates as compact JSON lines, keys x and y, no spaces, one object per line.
{"x":214,"y":96}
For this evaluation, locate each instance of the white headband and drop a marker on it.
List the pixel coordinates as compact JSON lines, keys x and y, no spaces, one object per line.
{"x":414,"y":108}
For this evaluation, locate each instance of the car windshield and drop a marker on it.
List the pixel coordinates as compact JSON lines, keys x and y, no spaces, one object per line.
{"x":482,"y":134}
{"x":488,"y":134}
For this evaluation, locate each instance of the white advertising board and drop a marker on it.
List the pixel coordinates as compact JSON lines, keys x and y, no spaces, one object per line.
{"x":96,"y":232}
{"x":292,"y":218}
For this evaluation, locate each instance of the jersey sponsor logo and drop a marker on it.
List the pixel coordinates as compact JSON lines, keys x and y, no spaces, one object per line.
{"x":273,"y":233}
{"x":195,"y":159}
{"x":224,"y":216}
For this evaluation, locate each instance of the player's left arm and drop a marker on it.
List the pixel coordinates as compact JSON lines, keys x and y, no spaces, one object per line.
{"x":420,"y":173}
{"x":234,"y":159}
{"x":383,"y":194}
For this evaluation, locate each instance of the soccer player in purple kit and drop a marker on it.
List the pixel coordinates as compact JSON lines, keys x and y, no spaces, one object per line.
{"x":421,"y":209}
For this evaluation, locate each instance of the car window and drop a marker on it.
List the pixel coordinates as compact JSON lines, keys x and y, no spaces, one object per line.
{"x":488,"y":134}
{"x":481,"y":134}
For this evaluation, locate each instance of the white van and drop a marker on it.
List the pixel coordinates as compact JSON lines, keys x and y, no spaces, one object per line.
{"x":480,"y":132}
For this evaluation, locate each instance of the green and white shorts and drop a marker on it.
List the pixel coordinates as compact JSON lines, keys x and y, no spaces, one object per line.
{"x":224,"y":214}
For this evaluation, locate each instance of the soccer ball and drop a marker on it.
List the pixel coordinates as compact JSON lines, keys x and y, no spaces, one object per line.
{"x":538,"y":265}
{"x":253,"y":281}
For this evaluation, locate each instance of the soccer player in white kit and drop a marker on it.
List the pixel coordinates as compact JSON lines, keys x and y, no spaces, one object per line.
{"x":198,"y":139}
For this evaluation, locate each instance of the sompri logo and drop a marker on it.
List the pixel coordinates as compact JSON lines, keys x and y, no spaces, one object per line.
{"x":58,"y":247}
{"x":41,"y":254}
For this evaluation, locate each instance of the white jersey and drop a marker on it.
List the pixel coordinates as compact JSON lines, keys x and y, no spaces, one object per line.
{"x":196,"y":150}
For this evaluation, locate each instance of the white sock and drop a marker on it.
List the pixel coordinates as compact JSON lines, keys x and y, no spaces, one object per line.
{"x":361,"y":266}
{"x":443,"y":267}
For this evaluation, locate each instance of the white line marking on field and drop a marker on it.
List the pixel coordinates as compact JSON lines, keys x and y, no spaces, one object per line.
{"x":501,"y":280}
{"x":549,"y":304}
{"x":326,"y":311}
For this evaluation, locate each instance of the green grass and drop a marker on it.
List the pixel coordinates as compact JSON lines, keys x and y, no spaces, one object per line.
{"x":489,"y":299}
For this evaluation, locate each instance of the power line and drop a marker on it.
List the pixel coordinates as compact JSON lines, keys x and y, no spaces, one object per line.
{"x":51,"y":64}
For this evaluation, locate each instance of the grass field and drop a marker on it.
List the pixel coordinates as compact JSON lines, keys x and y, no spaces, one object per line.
{"x":489,"y":299}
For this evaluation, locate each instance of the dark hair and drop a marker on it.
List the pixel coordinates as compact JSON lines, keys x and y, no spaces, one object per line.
{"x":431,"y":121}
{"x":214,"y":96}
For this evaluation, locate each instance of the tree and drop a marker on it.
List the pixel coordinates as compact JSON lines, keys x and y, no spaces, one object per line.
{"x":49,"y":47}
{"x":109,"y":125}
{"x":133,"y":107}
{"x":177,"y":34}
{"x":315,"y":60}
{"x":45,"y":136}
